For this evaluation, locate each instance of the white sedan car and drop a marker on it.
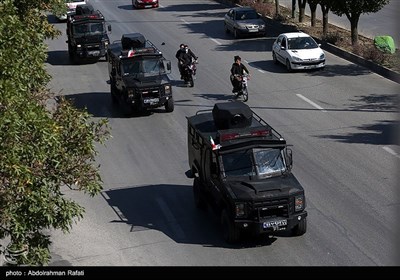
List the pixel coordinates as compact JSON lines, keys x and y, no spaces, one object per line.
{"x":298,"y":50}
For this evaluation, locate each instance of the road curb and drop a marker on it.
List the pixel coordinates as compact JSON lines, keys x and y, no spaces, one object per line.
{"x":376,"y":68}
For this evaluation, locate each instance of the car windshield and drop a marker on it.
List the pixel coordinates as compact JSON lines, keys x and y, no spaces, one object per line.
{"x":263,"y":162}
{"x":84,"y":29}
{"x":143,"y":67}
{"x":301,"y":43}
{"x":246,"y":15}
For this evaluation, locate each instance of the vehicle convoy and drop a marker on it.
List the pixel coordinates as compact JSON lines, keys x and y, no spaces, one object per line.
{"x":87,"y":34}
{"x":242,"y":169}
{"x":138,"y":75}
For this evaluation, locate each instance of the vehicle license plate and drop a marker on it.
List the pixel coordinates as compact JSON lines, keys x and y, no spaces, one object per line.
{"x":147,"y":6}
{"x":151,"y":101}
{"x":253,"y":30}
{"x":275,"y":224}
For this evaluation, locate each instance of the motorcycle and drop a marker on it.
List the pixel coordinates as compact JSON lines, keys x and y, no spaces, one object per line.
{"x":243,"y":89}
{"x":189,"y":73}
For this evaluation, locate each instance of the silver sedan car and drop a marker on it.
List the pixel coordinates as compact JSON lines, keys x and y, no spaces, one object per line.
{"x":244,"y":21}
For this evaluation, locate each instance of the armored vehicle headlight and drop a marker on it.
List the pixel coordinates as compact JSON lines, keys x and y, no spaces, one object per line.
{"x":298,"y":203}
{"x":240,"y":209}
{"x":167,"y":89}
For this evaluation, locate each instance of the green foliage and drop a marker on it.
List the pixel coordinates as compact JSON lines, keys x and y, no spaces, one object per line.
{"x":43,"y":148}
{"x":353,"y":10}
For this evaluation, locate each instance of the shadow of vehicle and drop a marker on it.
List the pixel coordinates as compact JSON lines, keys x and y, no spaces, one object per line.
{"x":170,"y":209}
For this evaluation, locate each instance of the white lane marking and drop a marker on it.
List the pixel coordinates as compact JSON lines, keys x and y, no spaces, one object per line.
{"x":185,"y":21}
{"x":170,"y":218}
{"x":215,"y":41}
{"x":106,"y":196}
{"x":262,"y":71}
{"x":390,"y":151}
{"x":311,"y":102}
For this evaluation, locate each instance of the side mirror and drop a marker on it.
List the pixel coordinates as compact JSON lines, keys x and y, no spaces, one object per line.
{"x":109,"y":28}
{"x":169,"y":66}
{"x":289,"y":157}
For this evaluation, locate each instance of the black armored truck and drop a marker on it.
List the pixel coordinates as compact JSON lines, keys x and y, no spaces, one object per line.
{"x":87,"y":34}
{"x":242,"y":168}
{"x":138,"y":75}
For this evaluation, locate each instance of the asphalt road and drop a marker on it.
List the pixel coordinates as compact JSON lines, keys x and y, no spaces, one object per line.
{"x":384,"y":22}
{"x":341,"y":121}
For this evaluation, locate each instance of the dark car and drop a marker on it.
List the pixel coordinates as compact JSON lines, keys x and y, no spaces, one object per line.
{"x":141,"y":4}
{"x":244,"y":21}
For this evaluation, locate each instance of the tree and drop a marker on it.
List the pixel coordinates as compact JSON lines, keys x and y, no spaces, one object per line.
{"x":353,"y":10}
{"x":46,"y":144}
{"x":277,"y":8}
{"x":302,"y":9}
{"x":325,"y":7}
{"x":313,"y":8}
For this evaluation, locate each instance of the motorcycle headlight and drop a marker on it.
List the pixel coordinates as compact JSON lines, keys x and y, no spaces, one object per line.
{"x":167,"y":89}
{"x":240,"y":210}
{"x":79,"y":46}
{"x":299,"y":203}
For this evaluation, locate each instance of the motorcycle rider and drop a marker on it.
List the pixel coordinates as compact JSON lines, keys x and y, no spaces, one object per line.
{"x":177,"y":55}
{"x":185,"y":58}
{"x":237,"y":70}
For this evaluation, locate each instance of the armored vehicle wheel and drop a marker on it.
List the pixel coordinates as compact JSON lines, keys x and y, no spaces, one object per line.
{"x":231,"y":233}
{"x":301,"y":228}
{"x":113,"y":92}
{"x":198,"y":198}
{"x":169,"y":105}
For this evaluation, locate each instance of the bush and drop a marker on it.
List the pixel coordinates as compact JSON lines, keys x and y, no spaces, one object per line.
{"x":332,"y":38}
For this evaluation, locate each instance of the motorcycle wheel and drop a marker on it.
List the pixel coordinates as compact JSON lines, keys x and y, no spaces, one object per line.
{"x":191,"y":81}
{"x":245,"y":94}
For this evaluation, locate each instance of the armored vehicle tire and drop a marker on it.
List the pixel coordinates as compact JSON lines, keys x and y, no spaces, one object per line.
{"x":198,"y":198}
{"x":230,"y":231}
{"x":301,"y":228}
{"x":169,"y":105}
{"x":113,"y":92}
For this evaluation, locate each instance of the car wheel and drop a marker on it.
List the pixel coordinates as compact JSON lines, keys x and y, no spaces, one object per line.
{"x":301,"y":228}
{"x":231,"y":232}
{"x":288,"y":66}
{"x":226,"y":28}
{"x":274,"y":58}
{"x":236,"y":34}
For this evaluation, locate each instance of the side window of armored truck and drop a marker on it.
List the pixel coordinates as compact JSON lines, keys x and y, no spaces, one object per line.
{"x":210,"y":165}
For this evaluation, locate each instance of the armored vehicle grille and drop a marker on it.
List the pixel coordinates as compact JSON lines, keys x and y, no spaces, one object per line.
{"x":272,"y":208}
{"x":150,"y":92}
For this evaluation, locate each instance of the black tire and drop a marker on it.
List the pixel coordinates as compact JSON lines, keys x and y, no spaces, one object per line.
{"x":288,"y":67}
{"x":230,"y":231}
{"x":199,"y":201}
{"x":274,"y":58}
{"x":245,"y":95}
{"x":301,"y":228}
{"x":113,"y":91}
{"x":236,"y":34}
{"x":191,"y":81}
{"x":169,"y":105}
{"x":226,"y":29}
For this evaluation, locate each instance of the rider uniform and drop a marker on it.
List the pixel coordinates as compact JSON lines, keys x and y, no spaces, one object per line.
{"x":237,"y":69}
{"x":185,"y":58}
